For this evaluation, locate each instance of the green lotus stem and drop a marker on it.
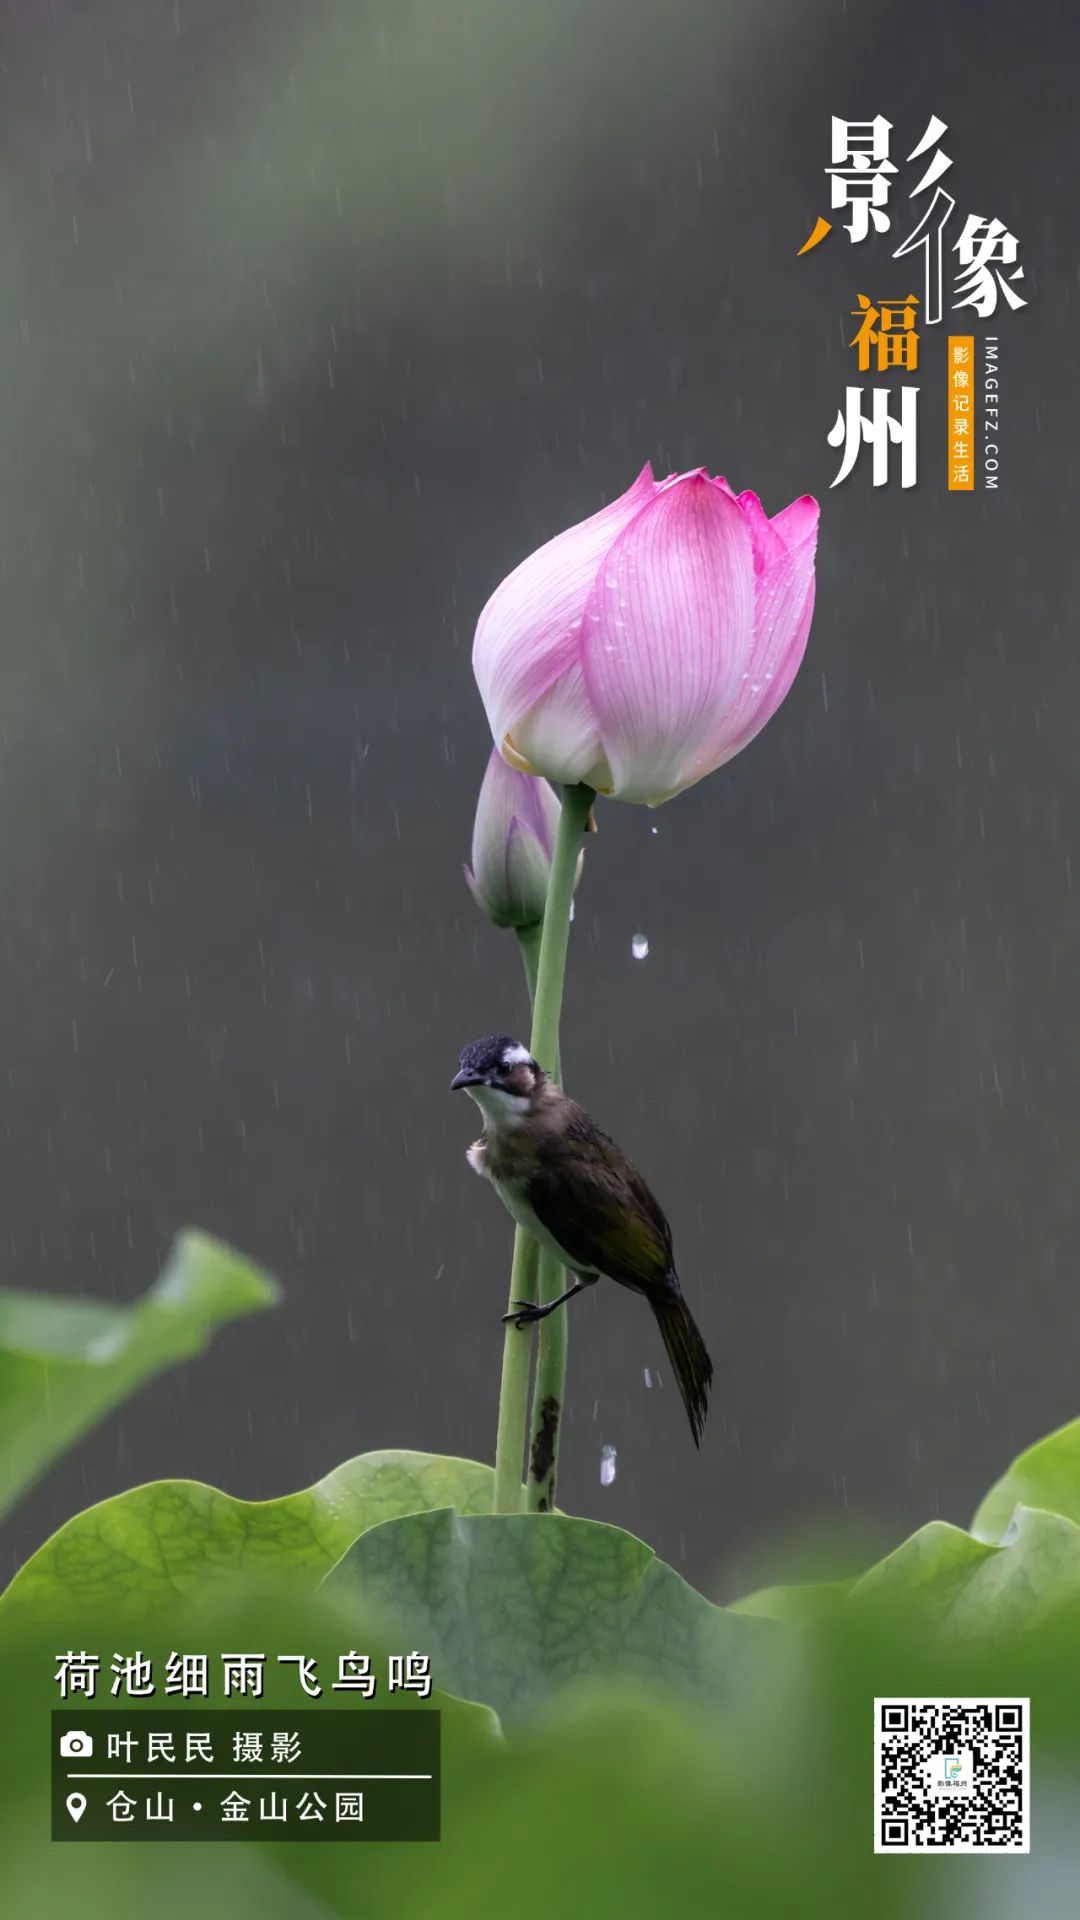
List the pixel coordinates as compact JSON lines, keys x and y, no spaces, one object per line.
{"x":549,"y":1391}
{"x":514,"y":1386}
{"x":517,"y":1348}
{"x":544,"y":956}
{"x":547,"y":1276}
{"x":529,"y":942}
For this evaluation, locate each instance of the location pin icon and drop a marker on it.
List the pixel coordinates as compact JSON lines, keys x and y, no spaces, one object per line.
{"x":76,"y":1805}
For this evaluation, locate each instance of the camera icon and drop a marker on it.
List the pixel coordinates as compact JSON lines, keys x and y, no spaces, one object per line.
{"x":76,"y":1746}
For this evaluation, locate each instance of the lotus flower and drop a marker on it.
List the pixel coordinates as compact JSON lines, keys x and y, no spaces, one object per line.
{"x":513,"y":841}
{"x":643,"y":648}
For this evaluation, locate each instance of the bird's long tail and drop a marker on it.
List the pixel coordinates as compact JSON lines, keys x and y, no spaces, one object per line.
{"x":688,"y":1355}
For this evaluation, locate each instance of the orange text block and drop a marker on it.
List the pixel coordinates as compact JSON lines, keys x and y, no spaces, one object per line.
{"x":959,"y":450}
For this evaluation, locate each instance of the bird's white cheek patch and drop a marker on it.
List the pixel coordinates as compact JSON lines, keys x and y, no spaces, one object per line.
{"x":499,"y":1108}
{"x":516,"y":1056}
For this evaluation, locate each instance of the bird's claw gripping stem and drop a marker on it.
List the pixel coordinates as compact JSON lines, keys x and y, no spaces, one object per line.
{"x":525,"y":1312}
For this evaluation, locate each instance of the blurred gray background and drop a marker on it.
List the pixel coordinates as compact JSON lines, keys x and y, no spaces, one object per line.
{"x":314,"y":321}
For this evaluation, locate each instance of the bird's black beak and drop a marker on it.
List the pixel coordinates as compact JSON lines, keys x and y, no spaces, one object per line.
{"x":465,"y":1079}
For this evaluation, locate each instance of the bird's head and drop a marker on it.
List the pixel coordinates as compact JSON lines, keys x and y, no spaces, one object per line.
{"x":501,"y":1076}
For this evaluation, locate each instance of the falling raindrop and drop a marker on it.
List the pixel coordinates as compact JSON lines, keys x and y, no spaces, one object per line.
{"x":639,"y":946}
{"x":648,"y":1378}
{"x":607,"y":1466}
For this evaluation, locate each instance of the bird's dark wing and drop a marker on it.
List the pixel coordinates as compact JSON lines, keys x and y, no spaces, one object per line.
{"x":596,"y":1205}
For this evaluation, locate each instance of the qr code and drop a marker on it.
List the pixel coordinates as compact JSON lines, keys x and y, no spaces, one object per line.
{"x":951,"y":1776}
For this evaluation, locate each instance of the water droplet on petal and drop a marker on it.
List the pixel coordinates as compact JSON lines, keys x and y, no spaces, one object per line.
{"x":639,"y":946}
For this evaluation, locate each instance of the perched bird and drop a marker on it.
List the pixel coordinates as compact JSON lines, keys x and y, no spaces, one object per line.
{"x":577,"y":1192}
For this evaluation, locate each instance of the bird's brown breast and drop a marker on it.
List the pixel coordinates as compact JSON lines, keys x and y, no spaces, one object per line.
{"x":508,"y":1156}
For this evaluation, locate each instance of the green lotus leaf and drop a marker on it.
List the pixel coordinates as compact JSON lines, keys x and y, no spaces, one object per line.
{"x":943,"y":1578}
{"x":809,"y":1600}
{"x":179,"y":1538}
{"x":515,"y":1607}
{"x":1047,"y":1475}
{"x":64,"y":1362}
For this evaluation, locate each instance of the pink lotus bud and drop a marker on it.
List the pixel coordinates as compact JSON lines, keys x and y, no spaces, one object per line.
{"x":513,"y":841}
{"x":646,"y":646}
